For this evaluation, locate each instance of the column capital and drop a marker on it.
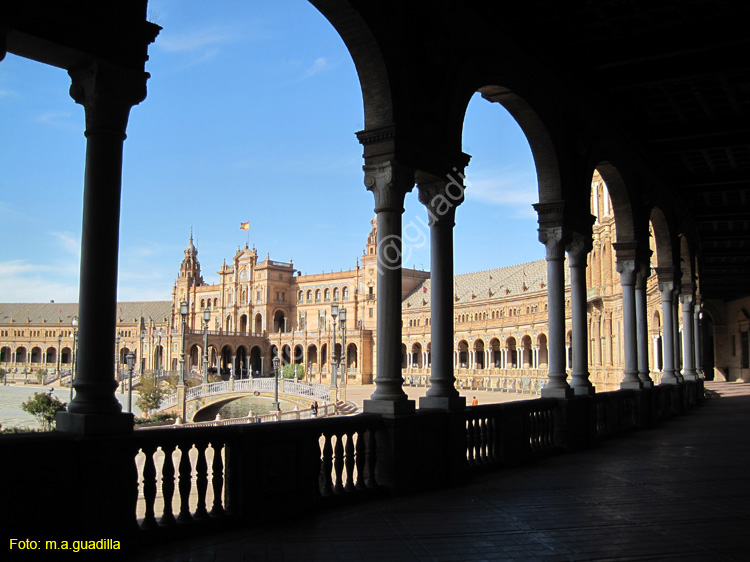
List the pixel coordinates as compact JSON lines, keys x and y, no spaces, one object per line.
{"x":578,"y":248}
{"x":643,"y":273}
{"x":441,"y":196}
{"x":555,"y":239}
{"x":686,"y":298}
{"x":628,"y":270}
{"x":107,"y":92}
{"x":389,"y":182}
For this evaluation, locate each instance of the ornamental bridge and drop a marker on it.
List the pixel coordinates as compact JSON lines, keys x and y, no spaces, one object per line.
{"x":202,"y":402}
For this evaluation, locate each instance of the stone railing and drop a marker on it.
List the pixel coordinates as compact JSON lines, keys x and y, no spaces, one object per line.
{"x":171,"y":483}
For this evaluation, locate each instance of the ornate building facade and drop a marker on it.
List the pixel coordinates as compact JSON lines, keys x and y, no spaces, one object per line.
{"x":263,"y":308}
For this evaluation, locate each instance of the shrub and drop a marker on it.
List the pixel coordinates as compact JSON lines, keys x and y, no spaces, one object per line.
{"x":44,"y":408}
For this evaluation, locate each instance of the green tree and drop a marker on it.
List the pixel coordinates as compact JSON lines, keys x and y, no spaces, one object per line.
{"x":3,"y":372}
{"x":149,"y":394}
{"x":44,"y":408}
{"x":40,"y":375}
{"x":289,"y":370}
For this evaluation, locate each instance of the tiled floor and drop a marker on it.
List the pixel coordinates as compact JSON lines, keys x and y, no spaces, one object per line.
{"x":679,"y":492}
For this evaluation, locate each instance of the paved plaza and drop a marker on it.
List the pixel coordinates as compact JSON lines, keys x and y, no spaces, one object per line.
{"x":677,"y":492}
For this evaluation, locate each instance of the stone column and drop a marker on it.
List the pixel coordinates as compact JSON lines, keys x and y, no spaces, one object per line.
{"x":665,"y":276}
{"x":389,"y":183}
{"x":578,"y":251}
{"x":554,"y":241}
{"x":641,"y":315}
{"x":676,"y":333}
{"x":697,"y":339}
{"x":628,"y":268}
{"x":441,"y":196}
{"x":688,"y":353}
{"x":107,"y":93}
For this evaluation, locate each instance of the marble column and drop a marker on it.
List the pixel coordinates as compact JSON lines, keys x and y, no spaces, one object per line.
{"x":441,"y":196}
{"x":578,"y":251}
{"x":697,"y":339}
{"x":641,"y":315}
{"x":688,"y":353}
{"x":627,"y":267}
{"x":666,"y":288}
{"x":554,"y":242}
{"x":389,"y":183}
{"x":107,"y":93}
{"x":676,"y":333}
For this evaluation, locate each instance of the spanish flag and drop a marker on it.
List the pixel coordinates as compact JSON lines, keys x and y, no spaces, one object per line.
{"x":244,"y":226}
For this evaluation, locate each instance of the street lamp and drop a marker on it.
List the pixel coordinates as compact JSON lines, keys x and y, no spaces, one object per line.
{"x":117,"y":356}
{"x":73,"y":366}
{"x":206,"y":320}
{"x":183,"y":314}
{"x":334,"y":363}
{"x":59,"y":347}
{"x":141,"y":360}
{"x":342,"y":323}
{"x":130,"y":360}
{"x":275,"y":404}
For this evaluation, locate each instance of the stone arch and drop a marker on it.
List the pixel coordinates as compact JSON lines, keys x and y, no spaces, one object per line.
{"x":351,"y":356}
{"x":21,"y":354}
{"x":662,"y":238}
{"x":543,"y":351}
{"x":36,"y":354}
{"x":416,"y":355}
{"x":512,"y":352}
{"x":312,"y":358}
{"x":403,"y":356}
{"x":496,"y":358}
{"x":50,"y":356}
{"x":479,"y":354}
{"x":366,"y":54}
{"x":256,"y":361}
{"x":299,"y":354}
{"x":241,"y":362}
{"x":619,"y":195}
{"x":463,"y":354}
{"x":278,"y":321}
{"x":243,"y":324}
{"x":524,"y":360}
{"x":5,"y":354}
{"x":258,"y":323}
{"x":538,"y":136}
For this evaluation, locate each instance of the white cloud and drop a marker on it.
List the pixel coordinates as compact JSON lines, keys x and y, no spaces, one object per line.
{"x":195,"y":40}
{"x":69,"y":242}
{"x":319,"y":65}
{"x":506,"y":188}
{"x":21,"y":281}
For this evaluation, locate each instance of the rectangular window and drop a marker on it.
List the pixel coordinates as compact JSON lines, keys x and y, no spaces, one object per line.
{"x":745,"y":350}
{"x":371,"y":312}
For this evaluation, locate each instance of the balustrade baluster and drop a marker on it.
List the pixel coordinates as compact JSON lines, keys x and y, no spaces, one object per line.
{"x":483,"y":440}
{"x":201,"y":480}
{"x":372,"y":459}
{"x":167,"y":485}
{"x":349,"y":462}
{"x":185,"y":483}
{"x":149,"y":486}
{"x":470,"y":442}
{"x":360,"y":460}
{"x":217,"y":479}
{"x":326,"y":467}
{"x":338,"y":465}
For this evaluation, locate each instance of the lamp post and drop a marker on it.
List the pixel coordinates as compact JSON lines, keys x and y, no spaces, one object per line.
{"x":141,"y":360}
{"x":183,"y":314}
{"x":334,"y":364}
{"x":342,"y":324}
{"x":74,"y":324}
{"x":130,"y":360}
{"x":117,"y":356}
{"x":206,"y":320}
{"x":275,"y":404}
{"x":59,"y":347}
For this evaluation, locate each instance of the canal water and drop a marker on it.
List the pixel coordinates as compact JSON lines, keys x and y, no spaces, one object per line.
{"x":13,"y":395}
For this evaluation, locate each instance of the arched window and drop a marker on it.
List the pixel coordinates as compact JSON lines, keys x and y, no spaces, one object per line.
{"x":327,"y":295}
{"x":317,"y":295}
{"x":336,"y":294}
{"x":345,"y":293}
{"x":203,"y":304}
{"x":309,"y":295}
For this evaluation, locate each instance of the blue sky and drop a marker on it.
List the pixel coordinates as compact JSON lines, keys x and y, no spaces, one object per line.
{"x":250,"y":116}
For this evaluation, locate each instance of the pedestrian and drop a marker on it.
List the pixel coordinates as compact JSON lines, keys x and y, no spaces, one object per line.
{"x":314,"y":409}
{"x":474,"y":401}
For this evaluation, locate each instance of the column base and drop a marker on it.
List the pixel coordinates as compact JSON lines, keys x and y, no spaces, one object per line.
{"x":669,"y":380}
{"x":442,"y":403}
{"x":388,"y":407}
{"x":647,"y":383}
{"x":94,"y":424}
{"x":561,"y":392}
{"x":631,"y":385}
{"x":589,"y":390}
